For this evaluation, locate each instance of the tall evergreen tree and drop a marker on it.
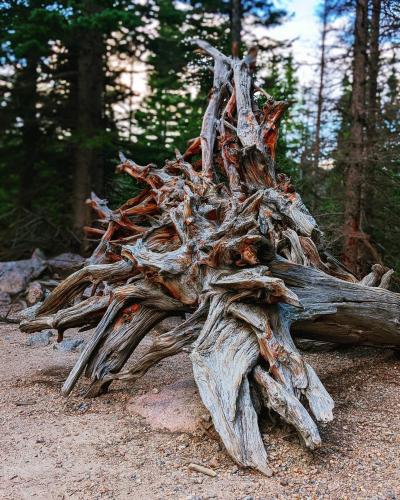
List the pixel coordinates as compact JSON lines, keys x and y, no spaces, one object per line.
{"x":171,"y":115}
{"x":26,"y":33}
{"x":58,"y":125}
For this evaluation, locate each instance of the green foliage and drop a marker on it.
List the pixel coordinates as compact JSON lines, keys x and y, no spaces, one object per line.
{"x":280,"y":81}
{"x":179,"y":79}
{"x":169,"y":109}
{"x":39,"y":42}
{"x":386,"y":179}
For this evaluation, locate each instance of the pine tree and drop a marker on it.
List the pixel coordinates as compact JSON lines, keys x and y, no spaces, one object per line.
{"x":386,"y":187}
{"x":58,"y":120}
{"x":26,"y":33}
{"x":280,"y":81}
{"x":168,"y":116}
{"x":171,"y":115}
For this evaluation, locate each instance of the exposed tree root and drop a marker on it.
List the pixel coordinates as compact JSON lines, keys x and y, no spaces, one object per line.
{"x":233,"y":251}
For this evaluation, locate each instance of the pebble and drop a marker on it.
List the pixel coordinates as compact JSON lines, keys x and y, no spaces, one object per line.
{"x":5,"y":298}
{"x":82,"y":407}
{"x":68,"y":345}
{"x":40,"y":339}
{"x":214,"y":462}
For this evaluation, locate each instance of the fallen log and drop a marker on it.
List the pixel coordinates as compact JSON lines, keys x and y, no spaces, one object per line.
{"x":227,"y":245}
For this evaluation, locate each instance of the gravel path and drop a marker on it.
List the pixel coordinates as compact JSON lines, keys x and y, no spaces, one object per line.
{"x":118,"y":446}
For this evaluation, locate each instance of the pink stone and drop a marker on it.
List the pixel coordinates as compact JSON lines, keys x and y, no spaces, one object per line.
{"x":177,"y":407}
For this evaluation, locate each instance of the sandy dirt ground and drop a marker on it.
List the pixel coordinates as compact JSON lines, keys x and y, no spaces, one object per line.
{"x":137,"y":442}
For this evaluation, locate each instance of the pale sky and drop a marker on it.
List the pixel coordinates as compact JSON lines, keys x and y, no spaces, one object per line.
{"x":304,"y":29}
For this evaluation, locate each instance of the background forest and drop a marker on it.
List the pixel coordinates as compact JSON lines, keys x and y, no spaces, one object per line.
{"x":82,"y":80}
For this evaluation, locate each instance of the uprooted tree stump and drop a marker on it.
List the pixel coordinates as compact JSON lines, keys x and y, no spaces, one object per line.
{"x":226,"y":244}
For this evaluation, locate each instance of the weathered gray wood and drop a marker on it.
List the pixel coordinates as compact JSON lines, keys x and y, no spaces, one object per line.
{"x":82,"y":313}
{"x":277,"y":398}
{"x":320,"y":401}
{"x":222,"y":69}
{"x":288,"y":370}
{"x":222,"y":357}
{"x":248,"y":129}
{"x":385,"y":281}
{"x":257,"y":278}
{"x":136,"y":292}
{"x":168,"y":344}
{"x":91,"y":346}
{"x":118,"y":343}
{"x":340,"y":311}
{"x":77,"y":281}
{"x":374,"y":277}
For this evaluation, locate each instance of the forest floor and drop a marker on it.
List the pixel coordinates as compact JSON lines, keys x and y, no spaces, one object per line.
{"x":137,"y":442}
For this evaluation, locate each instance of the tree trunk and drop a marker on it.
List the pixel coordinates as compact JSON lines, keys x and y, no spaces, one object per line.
{"x":236,"y":26}
{"x":228,"y":246}
{"x":372,"y":113}
{"x":89,"y":168}
{"x":320,"y":98}
{"x":373,"y":66}
{"x":354,"y":237}
{"x":28,"y":100}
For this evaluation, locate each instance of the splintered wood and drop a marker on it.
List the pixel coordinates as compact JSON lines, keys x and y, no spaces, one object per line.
{"x":222,"y":241}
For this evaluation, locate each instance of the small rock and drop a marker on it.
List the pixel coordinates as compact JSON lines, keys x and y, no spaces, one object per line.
{"x":15,"y":275}
{"x":68,"y":345}
{"x":34,"y":293}
{"x":65,"y":264}
{"x":82,"y":407}
{"x":214,"y":462}
{"x":5,"y":298}
{"x":29,"y":313}
{"x":269,"y":473}
{"x":155,"y":390}
{"x":40,"y":339}
{"x":174,"y":408}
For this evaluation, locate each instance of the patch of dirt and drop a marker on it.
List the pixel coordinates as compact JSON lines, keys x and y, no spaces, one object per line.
{"x":120,"y":446}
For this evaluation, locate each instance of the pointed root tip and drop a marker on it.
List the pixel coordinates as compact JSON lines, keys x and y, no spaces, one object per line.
{"x":65,"y":391}
{"x":178,"y":154}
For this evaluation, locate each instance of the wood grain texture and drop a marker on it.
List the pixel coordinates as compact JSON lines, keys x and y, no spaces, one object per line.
{"x":225,"y":243}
